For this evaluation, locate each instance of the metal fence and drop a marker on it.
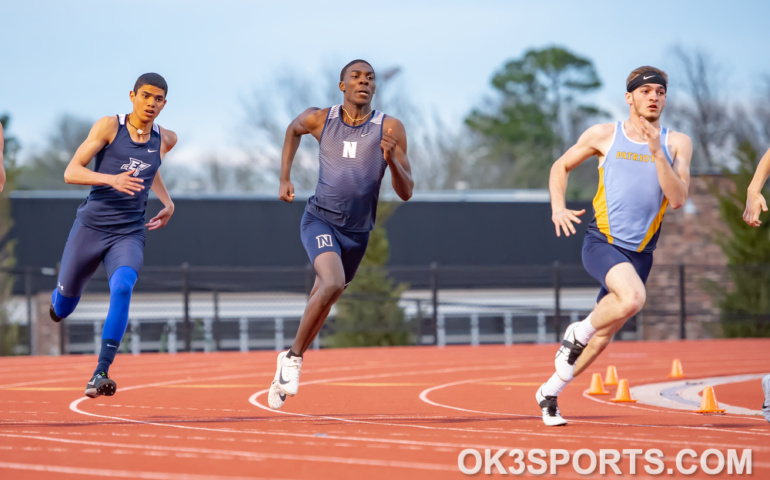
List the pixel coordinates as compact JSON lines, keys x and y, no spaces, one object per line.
{"x":194,"y":308}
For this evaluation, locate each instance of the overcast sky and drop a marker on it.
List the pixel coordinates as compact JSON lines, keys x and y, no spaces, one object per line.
{"x":82,"y":57}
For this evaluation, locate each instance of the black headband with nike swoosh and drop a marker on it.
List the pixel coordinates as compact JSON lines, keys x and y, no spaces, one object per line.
{"x":645,"y":78}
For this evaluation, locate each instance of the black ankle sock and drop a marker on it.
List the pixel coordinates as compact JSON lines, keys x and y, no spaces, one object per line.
{"x":107,"y":355}
{"x":292,"y":354}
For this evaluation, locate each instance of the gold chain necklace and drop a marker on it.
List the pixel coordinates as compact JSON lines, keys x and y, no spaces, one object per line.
{"x":356,"y":119}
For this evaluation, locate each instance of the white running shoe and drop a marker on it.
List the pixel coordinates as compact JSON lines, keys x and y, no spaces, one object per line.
{"x":549,"y":407}
{"x":568,"y":353}
{"x":275,"y":398}
{"x":766,"y":389}
{"x":287,"y":373}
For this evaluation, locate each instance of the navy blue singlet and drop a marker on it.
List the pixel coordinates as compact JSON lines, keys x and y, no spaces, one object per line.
{"x":109,"y":210}
{"x":350,"y":173}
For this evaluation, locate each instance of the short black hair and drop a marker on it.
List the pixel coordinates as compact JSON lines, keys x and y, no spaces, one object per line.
{"x":153,"y":79}
{"x":352,"y":62}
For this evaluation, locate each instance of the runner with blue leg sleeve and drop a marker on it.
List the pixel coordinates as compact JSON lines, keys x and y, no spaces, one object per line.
{"x":110,"y":224}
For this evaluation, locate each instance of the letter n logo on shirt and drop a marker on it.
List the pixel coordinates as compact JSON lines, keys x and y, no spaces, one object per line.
{"x":349,"y":149}
{"x":324,"y":240}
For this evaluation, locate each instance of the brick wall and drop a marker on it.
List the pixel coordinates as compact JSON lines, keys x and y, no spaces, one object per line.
{"x":687,"y":238}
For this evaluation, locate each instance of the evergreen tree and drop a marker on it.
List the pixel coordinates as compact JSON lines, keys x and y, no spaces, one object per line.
{"x":539,"y":114}
{"x":744,"y":299}
{"x":368,"y":313}
{"x":9,"y":333}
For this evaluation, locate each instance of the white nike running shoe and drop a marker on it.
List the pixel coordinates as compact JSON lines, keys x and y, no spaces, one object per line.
{"x":549,"y":407}
{"x":275,"y":398}
{"x":287,"y":373}
{"x":568,"y":353}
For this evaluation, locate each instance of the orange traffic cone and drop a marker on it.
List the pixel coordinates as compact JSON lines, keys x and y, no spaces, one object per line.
{"x":708,"y":402}
{"x":623,"y":394}
{"x":611,"y":377}
{"x":676,"y":369}
{"x":596,"y":386}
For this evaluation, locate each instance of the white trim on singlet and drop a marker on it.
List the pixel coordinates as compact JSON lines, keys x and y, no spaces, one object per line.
{"x":122,"y":121}
{"x":623,"y":129}
{"x":612,"y":142}
{"x":334,"y":112}
{"x":663,"y":141}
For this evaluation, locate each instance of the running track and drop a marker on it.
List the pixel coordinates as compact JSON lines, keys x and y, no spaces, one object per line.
{"x":377,"y":413}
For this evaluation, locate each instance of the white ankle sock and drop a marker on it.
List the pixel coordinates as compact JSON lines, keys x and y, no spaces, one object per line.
{"x":553,"y":386}
{"x":584,"y":331}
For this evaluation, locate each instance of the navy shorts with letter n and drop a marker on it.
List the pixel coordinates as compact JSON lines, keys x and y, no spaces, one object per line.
{"x":319,"y":236}
{"x":599,"y":256}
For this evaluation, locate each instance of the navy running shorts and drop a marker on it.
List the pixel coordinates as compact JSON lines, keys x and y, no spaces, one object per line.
{"x":87,"y":247}
{"x":599,"y":257}
{"x":318,"y":236}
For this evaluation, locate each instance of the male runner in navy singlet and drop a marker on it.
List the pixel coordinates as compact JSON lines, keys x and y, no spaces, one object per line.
{"x":109,"y":226}
{"x":357,"y":144}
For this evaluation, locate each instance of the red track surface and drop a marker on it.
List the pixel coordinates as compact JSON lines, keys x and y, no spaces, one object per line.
{"x":377,"y":413}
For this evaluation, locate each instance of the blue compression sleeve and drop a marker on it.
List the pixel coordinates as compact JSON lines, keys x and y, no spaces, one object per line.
{"x":121,"y":285}
{"x":62,"y":305}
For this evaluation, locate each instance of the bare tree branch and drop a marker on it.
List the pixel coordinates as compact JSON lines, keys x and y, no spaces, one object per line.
{"x":703,"y":114}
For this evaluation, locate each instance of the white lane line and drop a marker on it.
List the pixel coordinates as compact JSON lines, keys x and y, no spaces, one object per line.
{"x":252,"y":455}
{"x":684,"y":394}
{"x":74,"y":406}
{"x":512,"y":431}
{"x":109,"y":473}
{"x":662,"y":409}
{"x":625,"y":405}
{"x":40,"y":382}
{"x":189,"y":369}
{"x":424,"y":397}
{"x":253,"y":400}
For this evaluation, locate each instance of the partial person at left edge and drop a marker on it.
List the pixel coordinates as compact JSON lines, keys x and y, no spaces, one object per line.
{"x":110,"y":224}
